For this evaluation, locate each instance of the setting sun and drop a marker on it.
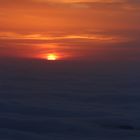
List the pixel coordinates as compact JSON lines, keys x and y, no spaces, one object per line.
{"x":52,"y":57}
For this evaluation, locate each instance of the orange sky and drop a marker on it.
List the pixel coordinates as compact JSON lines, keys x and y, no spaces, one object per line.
{"x":73,"y":28}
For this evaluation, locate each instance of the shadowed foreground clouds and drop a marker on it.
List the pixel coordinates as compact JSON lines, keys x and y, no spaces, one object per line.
{"x":30,"y":28}
{"x":72,"y":100}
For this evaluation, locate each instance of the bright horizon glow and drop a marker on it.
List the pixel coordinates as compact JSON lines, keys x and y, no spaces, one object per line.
{"x":52,"y":57}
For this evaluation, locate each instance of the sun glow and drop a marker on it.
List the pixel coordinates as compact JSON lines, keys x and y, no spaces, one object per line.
{"x":52,"y":57}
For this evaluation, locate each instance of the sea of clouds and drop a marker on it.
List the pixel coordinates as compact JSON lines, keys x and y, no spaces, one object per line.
{"x":69,"y":100}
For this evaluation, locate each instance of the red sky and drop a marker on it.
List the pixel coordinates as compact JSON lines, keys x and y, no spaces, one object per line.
{"x":72,"y":28}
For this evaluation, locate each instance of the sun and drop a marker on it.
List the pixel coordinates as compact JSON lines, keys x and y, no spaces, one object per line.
{"x":52,"y":57}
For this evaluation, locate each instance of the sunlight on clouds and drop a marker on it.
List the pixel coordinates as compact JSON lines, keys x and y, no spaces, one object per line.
{"x":113,"y":4}
{"x":78,"y":1}
{"x":94,"y":37}
{"x":32,"y":27}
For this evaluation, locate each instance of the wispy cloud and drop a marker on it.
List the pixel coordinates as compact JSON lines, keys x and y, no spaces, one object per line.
{"x":117,"y":4}
{"x":34,"y":26}
{"x":53,"y":37}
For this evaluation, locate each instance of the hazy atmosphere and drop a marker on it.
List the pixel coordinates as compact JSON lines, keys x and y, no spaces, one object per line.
{"x":69,"y":69}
